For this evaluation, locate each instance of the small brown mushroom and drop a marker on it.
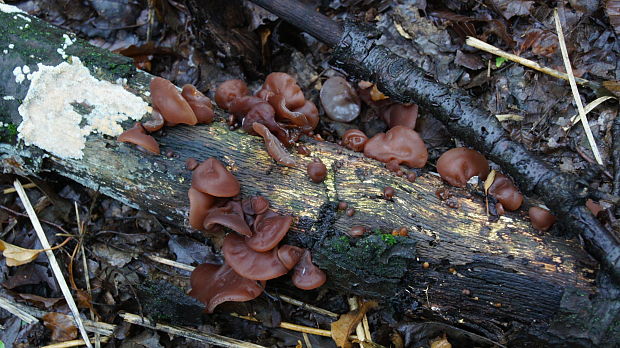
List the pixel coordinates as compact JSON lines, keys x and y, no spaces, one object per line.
{"x":594,"y":207}
{"x":411,"y":177}
{"x":357,"y":231}
{"x":398,"y":145}
{"x":458,"y":165}
{"x":167,"y":99}
{"x":213,"y":285}
{"x":269,"y":229}
{"x":340,"y":100}
{"x":249,"y":263}
{"x":284,"y":84}
{"x":213,"y":178}
{"x":231,"y":216}
{"x":155,"y":123}
{"x":200,"y":104}
{"x":229,"y":91}
{"x":506,"y":192}
{"x":199,"y":205}
{"x":255,"y":205}
{"x":354,"y":139}
{"x":289,"y":255}
{"x":400,"y":115}
{"x":305,"y":117}
{"x":342,"y":205}
{"x":191,"y":163}
{"x":275,"y":149}
{"x":137,"y":135}
{"x":541,"y":218}
{"x":307,"y":276}
{"x":388,"y":192}
{"x":317,"y":171}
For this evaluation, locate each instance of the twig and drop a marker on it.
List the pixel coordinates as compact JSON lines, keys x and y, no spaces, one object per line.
{"x":481,"y":45}
{"x":53,"y":263}
{"x":65,"y":232}
{"x":306,"y":340}
{"x":591,"y":105}
{"x":309,"y":307}
{"x":192,"y":334}
{"x":12,"y":189}
{"x":93,"y":317}
{"x":16,"y":311}
{"x":573,"y":87}
{"x":171,"y":263}
{"x":104,"y":329}
{"x":294,"y":327}
{"x":359,"y":329}
{"x":74,"y":343}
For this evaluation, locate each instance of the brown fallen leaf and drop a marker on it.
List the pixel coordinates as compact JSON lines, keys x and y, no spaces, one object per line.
{"x":441,"y":342}
{"x":16,"y":255}
{"x":47,"y":302}
{"x":61,"y":325}
{"x":376,"y":94}
{"x":342,"y":328}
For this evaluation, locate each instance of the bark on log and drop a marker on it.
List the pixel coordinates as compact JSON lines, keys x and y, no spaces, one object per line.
{"x":525,"y":287}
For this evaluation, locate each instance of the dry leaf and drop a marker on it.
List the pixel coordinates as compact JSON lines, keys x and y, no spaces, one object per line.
{"x":61,"y":325}
{"x":489,"y":181}
{"x":16,"y":256}
{"x":441,"y":342}
{"x":47,"y":302}
{"x":342,"y":328}
{"x":376,"y":95}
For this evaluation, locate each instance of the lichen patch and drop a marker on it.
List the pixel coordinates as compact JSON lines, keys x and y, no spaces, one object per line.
{"x":49,"y":118}
{"x":10,"y":9}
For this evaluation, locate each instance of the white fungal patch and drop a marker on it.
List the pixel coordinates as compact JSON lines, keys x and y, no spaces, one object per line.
{"x":19,"y":76}
{"x":10,"y":9}
{"x":49,"y":118}
{"x":11,"y":46}
{"x":8,"y":97}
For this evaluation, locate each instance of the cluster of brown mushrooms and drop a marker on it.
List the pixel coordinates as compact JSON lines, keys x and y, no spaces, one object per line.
{"x":170,"y":108}
{"x":251,"y":253}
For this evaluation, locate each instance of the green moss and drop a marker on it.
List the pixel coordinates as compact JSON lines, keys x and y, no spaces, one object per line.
{"x":388,"y":239}
{"x":8,"y":133}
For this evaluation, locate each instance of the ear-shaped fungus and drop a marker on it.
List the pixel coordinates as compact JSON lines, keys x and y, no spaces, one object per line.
{"x":213,"y":284}
{"x":398,"y":145}
{"x":284,"y":84}
{"x":213,"y":178}
{"x":275,"y":149}
{"x":306,"y":117}
{"x":155,"y":123}
{"x":290,"y":255}
{"x":249,"y":263}
{"x":231,"y":216}
{"x":255,"y":205}
{"x":167,"y":99}
{"x":200,"y":103}
{"x":458,"y":165}
{"x":506,"y":192}
{"x":229,"y":91}
{"x":400,"y":115}
{"x":307,"y":276}
{"x":199,"y":205}
{"x":541,"y":219}
{"x":252,"y":110}
{"x":269,"y":229}
{"x":340,"y":100}
{"x":354,"y":139}
{"x":137,"y":135}
{"x":317,"y":171}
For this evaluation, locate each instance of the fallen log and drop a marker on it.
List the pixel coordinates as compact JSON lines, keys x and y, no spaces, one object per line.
{"x":500,"y":279}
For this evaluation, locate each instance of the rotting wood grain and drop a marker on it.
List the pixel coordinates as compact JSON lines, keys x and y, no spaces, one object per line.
{"x":517,"y":278}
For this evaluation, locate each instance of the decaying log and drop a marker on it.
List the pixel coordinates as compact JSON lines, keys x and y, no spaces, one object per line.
{"x":521,"y":286}
{"x":359,"y":52}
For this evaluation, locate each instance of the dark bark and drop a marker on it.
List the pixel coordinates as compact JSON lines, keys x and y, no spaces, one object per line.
{"x":521,"y":283}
